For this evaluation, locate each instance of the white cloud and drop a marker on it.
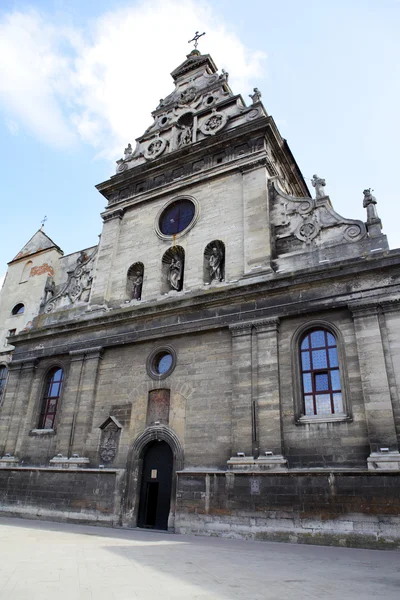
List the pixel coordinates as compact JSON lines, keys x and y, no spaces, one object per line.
{"x":32,"y":69}
{"x":12,"y":126}
{"x":101,"y":84}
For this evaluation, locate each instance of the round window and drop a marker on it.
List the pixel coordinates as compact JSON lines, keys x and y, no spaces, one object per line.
{"x":161,"y":362}
{"x":177,"y":216}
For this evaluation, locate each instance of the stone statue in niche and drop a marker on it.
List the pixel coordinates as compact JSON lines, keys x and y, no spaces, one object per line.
{"x":128,"y":152}
{"x":256,"y":97}
{"x":137,"y":283}
{"x":369,"y":203}
{"x":318,"y":183}
{"x":215,"y":264}
{"x":175,"y":274}
{"x":185,"y":137}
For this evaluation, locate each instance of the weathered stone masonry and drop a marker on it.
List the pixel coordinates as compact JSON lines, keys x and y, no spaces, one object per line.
{"x":246,"y":265}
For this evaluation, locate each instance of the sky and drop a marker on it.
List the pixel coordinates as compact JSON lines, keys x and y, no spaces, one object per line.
{"x":79,"y":79}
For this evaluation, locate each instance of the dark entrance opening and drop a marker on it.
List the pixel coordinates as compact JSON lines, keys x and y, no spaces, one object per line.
{"x":155,"y":490}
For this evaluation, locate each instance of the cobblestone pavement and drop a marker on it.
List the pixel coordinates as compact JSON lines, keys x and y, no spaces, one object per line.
{"x":41,"y":560}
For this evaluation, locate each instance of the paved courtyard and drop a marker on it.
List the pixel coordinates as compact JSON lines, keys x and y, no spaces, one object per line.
{"x":41,"y":560}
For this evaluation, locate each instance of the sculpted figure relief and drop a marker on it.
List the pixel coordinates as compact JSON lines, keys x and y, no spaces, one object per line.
{"x":215,"y":264}
{"x":318,"y":183}
{"x":175,"y":274}
{"x":49,"y":290}
{"x":185,"y":137}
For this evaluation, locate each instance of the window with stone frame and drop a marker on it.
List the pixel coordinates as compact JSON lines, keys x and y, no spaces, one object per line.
{"x":3,"y":381}
{"x":320,"y":374}
{"x":51,"y":397}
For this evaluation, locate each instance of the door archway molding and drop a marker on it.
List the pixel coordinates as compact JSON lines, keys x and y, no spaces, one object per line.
{"x":159,"y":433}
{"x":131,"y":492}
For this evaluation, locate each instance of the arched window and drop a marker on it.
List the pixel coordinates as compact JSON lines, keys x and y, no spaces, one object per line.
{"x":51,"y":396}
{"x":319,"y":365}
{"x":18,"y":309}
{"x":3,"y":381}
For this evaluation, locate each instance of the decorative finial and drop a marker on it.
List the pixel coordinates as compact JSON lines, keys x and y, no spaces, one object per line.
{"x":43,"y":221}
{"x":196,"y":38}
{"x":319,"y":185}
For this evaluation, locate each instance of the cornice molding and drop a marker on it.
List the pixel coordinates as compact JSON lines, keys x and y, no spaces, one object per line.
{"x":114,"y":214}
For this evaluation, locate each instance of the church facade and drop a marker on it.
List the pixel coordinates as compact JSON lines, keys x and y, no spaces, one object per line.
{"x":226,"y":361}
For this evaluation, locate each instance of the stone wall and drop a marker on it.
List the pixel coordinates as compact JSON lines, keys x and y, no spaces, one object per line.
{"x":355,"y":509}
{"x":85,"y":495}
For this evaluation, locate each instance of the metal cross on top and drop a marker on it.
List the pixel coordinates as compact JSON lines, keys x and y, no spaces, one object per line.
{"x":196,"y":38}
{"x":43,"y":221}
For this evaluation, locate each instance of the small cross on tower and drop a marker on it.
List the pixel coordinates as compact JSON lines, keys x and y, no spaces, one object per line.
{"x":196,"y":38}
{"x":43,"y":221}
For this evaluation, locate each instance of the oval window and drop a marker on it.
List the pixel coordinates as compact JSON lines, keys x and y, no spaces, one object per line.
{"x":162,"y":363}
{"x":177,"y":216}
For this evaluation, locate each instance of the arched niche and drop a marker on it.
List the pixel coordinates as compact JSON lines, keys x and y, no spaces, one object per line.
{"x":173,"y":266}
{"x":185,"y":132}
{"x":134,"y":281}
{"x":214,"y":261}
{"x":26,"y":271}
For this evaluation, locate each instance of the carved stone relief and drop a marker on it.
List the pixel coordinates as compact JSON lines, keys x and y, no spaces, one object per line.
{"x":78,"y":285}
{"x":214,"y":123}
{"x":188,"y":96}
{"x":110,"y":433}
{"x":308,"y":220}
{"x":155,"y":148}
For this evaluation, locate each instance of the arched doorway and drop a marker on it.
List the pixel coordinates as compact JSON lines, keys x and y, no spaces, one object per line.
{"x":156,"y":483}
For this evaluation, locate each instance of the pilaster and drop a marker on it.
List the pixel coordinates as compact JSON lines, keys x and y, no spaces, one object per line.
{"x":256,"y":231}
{"x":376,"y":388}
{"x":242,"y":409}
{"x":108,"y":248}
{"x":86,"y":400}
{"x":66,"y":420}
{"x":268,"y":388}
{"x":21,"y":374}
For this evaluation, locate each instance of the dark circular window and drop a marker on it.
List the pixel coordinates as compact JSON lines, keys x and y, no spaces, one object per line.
{"x":161,"y":362}
{"x":18,"y":309}
{"x":177,"y":216}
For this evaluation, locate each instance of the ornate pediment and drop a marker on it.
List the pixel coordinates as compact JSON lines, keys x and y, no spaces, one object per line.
{"x":77,"y":287}
{"x":309,"y":219}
